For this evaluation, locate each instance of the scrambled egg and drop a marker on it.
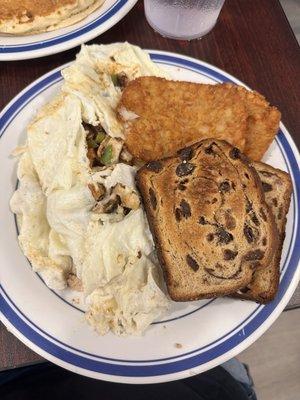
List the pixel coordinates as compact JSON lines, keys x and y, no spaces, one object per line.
{"x":36,"y":238}
{"x":126,"y":304}
{"x":78,"y":209}
{"x":109,"y":248}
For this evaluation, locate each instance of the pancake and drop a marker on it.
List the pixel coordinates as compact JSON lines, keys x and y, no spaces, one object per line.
{"x":25,"y":17}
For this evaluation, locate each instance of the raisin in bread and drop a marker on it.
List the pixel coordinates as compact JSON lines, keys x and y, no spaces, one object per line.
{"x":277,"y":186}
{"x":209,"y":220}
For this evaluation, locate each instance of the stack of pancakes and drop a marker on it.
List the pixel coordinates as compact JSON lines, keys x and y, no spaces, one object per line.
{"x":23,"y":17}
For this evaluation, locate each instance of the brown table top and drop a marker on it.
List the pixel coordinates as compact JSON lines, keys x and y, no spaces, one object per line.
{"x":252,"y":40}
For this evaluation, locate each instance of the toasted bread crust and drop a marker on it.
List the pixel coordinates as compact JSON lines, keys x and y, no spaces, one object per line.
{"x":195,"y":254}
{"x":278,"y":190}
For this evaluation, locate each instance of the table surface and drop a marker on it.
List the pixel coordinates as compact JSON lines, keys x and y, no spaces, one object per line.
{"x":252,"y":41}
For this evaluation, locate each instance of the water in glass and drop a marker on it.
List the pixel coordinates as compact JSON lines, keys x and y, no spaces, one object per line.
{"x":183,"y":19}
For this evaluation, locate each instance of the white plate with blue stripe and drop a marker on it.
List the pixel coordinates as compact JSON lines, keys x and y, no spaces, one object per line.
{"x":45,"y":44}
{"x":192,"y":337}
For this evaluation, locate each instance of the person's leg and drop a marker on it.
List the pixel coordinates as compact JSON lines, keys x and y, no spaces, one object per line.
{"x":241,"y":373}
{"x":47,"y":381}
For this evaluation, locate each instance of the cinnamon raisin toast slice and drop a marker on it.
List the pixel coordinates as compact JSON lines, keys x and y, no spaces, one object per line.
{"x":209,"y":219}
{"x":277,"y":187}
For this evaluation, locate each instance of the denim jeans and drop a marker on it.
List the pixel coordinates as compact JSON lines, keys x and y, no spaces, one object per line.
{"x":47,"y":381}
{"x":241,"y":373}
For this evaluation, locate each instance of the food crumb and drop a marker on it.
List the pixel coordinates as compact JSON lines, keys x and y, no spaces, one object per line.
{"x":75,"y":301}
{"x":74,"y":283}
{"x":178,"y":345}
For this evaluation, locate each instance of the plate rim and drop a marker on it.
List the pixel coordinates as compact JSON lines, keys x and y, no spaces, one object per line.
{"x":120,"y":9}
{"x":216,"y":361}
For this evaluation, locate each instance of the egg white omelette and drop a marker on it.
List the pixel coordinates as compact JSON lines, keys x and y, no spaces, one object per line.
{"x":79,"y":213}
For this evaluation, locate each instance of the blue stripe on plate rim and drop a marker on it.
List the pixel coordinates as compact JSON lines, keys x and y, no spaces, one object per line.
{"x":172,"y":365}
{"x":101,"y":19}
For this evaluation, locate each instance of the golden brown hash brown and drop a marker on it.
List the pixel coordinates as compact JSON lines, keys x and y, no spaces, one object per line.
{"x":174,"y":114}
{"x":262,"y":123}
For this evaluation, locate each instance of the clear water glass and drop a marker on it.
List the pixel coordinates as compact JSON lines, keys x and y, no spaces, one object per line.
{"x":183,"y":19}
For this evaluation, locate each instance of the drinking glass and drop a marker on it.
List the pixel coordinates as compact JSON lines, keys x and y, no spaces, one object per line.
{"x":183,"y":19}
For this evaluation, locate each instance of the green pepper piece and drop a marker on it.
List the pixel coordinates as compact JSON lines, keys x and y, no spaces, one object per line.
{"x":100,"y":137}
{"x":106,"y":157}
{"x":115,"y":79}
{"x":92,"y":144}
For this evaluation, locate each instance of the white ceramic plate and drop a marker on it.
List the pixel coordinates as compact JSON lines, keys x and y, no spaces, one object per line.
{"x":192,"y":337}
{"x":44,"y":44}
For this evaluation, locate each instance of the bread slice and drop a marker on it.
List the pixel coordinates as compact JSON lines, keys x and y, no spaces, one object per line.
{"x":209,"y":220}
{"x":277,"y":186}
